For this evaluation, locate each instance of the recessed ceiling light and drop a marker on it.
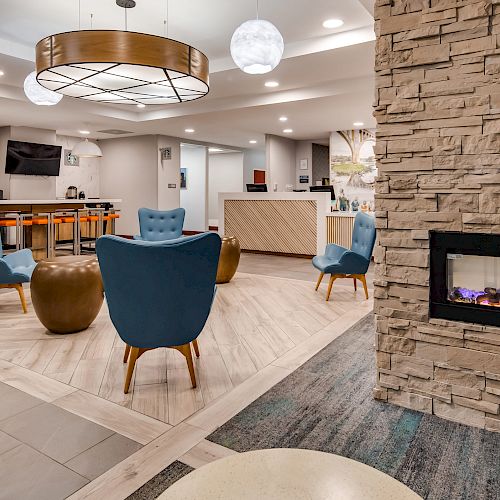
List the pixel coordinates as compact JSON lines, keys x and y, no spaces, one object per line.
{"x":253,"y":141}
{"x":283,"y":118}
{"x":140,"y":105}
{"x":333,"y":23}
{"x":358,"y":124}
{"x":288,"y":131}
{"x":189,"y":130}
{"x":271,"y":83}
{"x":1,"y":73}
{"x":84,"y":132}
{"x":215,"y":150}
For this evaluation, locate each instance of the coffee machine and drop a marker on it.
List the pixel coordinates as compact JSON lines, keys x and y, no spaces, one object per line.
{"x":72,"y":193}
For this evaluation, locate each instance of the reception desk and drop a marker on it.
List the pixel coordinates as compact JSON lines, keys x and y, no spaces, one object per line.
{"x":282,"y":223}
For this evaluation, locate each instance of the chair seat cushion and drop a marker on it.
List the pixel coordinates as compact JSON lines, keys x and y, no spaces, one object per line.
{"x":326,"y":264}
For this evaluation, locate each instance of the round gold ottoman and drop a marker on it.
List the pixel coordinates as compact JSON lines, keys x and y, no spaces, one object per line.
{"x":228,"y":260}
{"x":67,"y":292}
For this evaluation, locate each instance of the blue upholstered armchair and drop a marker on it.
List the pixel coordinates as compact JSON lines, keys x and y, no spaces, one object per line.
{"x":160,"y":225}
{"x":159,"y":293}
{"x":15,"y":269}
{"x":340,"y":262}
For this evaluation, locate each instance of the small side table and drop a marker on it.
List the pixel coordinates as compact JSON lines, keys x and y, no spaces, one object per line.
{"x":67,"y":292}
{"x":228,"y":260}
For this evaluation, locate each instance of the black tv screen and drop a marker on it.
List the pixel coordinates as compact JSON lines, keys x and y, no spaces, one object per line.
{"x":27,"y":158}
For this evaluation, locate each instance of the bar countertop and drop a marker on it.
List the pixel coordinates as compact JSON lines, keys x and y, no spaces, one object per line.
{"x":62,"y":201}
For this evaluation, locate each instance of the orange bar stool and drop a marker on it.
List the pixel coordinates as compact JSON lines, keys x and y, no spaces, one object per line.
{"x":8,"y":220}
{"x":49,"y":220}
{"x":66,"y":217}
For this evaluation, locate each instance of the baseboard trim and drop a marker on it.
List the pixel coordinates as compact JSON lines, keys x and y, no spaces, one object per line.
{"x":279,"y":254}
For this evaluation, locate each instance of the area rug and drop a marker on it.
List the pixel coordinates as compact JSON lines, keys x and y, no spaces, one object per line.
{"x":158,"y":484}
{"x":327,"y":405}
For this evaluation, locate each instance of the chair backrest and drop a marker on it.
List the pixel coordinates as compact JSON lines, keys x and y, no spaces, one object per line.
{"x":161,"y":225}
{"x":1,"y":245}
{"x":159,"y":294}
{"x":363,"y":235}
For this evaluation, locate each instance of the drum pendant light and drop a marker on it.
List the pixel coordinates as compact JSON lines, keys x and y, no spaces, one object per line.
{"x":257,"y":46}
{"x":121,"y":67}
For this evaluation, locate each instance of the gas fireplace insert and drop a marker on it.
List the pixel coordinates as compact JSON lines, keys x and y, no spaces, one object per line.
{"x":465,"y":277}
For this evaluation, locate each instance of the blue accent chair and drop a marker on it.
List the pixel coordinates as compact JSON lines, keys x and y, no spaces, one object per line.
{"x":160,"y":293}
{"x":160,"y":225}
{"x":339,"y":262}
{"x":15,"y":269}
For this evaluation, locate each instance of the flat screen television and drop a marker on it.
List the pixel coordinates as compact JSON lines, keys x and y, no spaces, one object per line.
{"x":323,"y":189}
{"x":27,"y":158}
{"x":257,"y":188}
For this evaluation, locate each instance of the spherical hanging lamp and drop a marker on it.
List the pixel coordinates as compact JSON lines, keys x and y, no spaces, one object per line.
{"x":257,"y":47}
{"x":86,"y":149}
{"x":121,"y":67}
{"x":39,"y":95}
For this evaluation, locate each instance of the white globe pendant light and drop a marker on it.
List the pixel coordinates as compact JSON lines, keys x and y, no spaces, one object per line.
{"x":86,"y":149}
{"x":257,"y":46}
{"x":39,"y":95}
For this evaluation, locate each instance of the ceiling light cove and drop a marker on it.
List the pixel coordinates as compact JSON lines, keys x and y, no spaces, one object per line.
{"x":333,"y":23}
{"x":271,"y":84}
{"x":288,"y":131}
{"x":189,"y":130}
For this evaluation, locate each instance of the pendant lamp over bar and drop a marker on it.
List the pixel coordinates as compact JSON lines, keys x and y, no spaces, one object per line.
{"x":121,"y":67}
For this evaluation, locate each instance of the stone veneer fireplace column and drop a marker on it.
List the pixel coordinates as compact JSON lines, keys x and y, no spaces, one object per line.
{"x":438,"y":154}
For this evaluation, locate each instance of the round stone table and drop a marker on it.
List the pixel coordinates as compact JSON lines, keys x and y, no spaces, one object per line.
{"x":67,"y":292}
{"x":287,"y":474}
{"x":228,"y":260}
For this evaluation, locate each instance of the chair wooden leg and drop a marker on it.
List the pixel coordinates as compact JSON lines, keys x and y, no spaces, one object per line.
{"x":319,"y":281}
{"x":186,"y":351}
{"x":355,"y":284}
{"x":20,"y":291}
{"x":134,"y":354}
{"x":333,"y":277}
{"x":196,"y":348}
{"x":126,"y":353}
{"x":362,"y":278}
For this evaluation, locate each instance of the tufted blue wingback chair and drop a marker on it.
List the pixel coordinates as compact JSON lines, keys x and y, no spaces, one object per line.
{"x":159,"y":293}
{"x":160,"y":225}
{"x":15,"y":269}
{"x":340,"y":262}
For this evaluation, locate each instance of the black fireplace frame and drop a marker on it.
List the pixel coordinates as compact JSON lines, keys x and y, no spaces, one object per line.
{"x":442,"y":243}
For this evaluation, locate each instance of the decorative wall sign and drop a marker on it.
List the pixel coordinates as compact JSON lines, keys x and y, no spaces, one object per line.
{"x":183,"y":178}
{"x":166,"y":153}
{"x":303,"y":164}
{"x":71,"y":160}
{"x":303,"y":179}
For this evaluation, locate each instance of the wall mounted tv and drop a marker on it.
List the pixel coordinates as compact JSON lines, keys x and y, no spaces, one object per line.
{"x":27,"y":158}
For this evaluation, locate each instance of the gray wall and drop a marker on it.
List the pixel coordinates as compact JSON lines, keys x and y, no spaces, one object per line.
{"x":281,"y":162}
{"x":320,"y":162}
{"x":253,"y":159}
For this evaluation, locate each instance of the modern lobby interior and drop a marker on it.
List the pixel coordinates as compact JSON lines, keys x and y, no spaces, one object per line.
{"x":288,"y":288}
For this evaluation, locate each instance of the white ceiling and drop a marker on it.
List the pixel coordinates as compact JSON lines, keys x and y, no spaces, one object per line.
{"x":326,"y":76}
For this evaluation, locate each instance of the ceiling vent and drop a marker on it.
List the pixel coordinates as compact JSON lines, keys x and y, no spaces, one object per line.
{"x":114,"y":131}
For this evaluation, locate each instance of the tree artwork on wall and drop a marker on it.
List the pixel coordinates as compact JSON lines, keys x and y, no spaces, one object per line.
{"x":352,"y":168}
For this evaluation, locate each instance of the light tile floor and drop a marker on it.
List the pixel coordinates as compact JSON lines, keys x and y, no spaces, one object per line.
{"x":64,"y":421}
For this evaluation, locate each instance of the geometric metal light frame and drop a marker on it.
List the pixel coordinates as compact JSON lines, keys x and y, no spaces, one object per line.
{"x":121,"y":67}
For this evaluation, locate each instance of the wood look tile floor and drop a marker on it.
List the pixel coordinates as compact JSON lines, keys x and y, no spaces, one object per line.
{"x":263,"y":325}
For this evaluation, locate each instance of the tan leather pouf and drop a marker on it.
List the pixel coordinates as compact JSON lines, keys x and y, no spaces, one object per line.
{"x":67,"y":292}
{"x":228,"y":260}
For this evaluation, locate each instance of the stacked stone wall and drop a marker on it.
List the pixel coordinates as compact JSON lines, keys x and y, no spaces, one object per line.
{"x":437,"y":107}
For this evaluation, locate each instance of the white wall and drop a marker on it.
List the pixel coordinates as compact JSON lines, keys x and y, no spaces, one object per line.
{"x":253,"y":159}
{"x":85,"y":177}
{"x":225,"y":175}
{"x":194,"y":198}
{"x":281,"y":160}
{"x":303,"y":151}
{"x":168,"y":173}
{"x":129,"y":170}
